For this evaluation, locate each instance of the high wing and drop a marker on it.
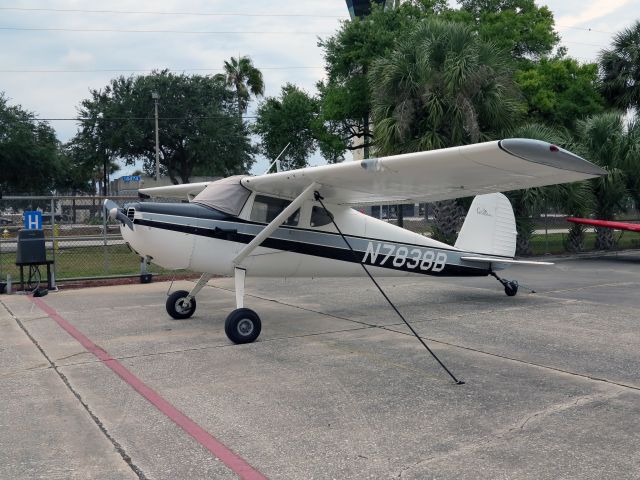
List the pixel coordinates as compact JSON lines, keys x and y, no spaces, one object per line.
{"x":184,"y":190}
{"x":633,"y":227}
{"x":489,"y":167}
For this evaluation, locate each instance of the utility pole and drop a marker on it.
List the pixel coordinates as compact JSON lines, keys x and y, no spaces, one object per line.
{"x":156,"y":96}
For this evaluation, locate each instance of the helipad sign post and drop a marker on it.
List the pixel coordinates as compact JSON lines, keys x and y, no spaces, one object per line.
{"x":32,"y":220}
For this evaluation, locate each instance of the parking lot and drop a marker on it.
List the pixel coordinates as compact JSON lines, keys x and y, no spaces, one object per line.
{"x":101,"y":383}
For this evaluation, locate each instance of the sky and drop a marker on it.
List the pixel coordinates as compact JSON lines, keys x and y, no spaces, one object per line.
{"x":53,"y":52}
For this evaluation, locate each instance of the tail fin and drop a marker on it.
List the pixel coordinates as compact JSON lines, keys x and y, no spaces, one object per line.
{"x":490,"y":227}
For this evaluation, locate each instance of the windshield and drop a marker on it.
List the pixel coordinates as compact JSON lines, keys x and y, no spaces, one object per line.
{"x":226,"y":195}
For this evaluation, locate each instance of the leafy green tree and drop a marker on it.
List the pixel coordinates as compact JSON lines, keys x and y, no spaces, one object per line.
{"x":519,"y":27}
{"x":559,"y":91}
{"x":198,"y":129}
{"x":288,"y":119}
{"x":245,"y":79}
{"x":620,"y":68}
{"x":440,"y":87}
{"x":605,"y":140}
{"x":345,"y":96}
{"x":90,"y":163}
{"x":30,"y":157}
{"x":91,"y":146}
{"x":292,"y":118}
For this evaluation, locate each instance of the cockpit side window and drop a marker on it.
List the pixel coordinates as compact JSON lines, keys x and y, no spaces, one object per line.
{"x":320,"y":217}
{"x":265,"y":209}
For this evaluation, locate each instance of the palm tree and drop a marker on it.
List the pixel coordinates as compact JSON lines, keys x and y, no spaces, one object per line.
{"x":246,"y":79}
{"x":605,"y":140}
{"x":577,"y":200}
{"x":441,"y":86}
{"x":620,"y":68}
{"x":631,"y":161}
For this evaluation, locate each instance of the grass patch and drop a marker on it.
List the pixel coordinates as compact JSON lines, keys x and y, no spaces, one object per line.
{"x":94,"y":261}
{"x":553,"y":243}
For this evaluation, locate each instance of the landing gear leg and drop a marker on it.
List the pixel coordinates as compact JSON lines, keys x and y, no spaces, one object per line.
{"x":510,"y":286}
{"x":182,"y":304}
{"x":243,"y":325}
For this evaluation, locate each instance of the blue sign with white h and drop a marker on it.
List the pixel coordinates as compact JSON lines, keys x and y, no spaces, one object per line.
{"x":33,"y":220}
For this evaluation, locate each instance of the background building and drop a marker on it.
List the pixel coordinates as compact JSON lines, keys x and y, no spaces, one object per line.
{"x":128,"y":185}
{"x":362,"y":8}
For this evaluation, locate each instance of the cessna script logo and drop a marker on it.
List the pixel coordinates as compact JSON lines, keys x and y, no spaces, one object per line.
{"x":387,"y":254}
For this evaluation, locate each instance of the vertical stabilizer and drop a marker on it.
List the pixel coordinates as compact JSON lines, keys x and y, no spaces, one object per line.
{"x":490,"y":227}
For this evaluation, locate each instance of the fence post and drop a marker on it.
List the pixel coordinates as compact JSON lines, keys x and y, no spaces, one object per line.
{"x":53,"y":241}
{"x":1,"y":242}
{"x":104,"y":241}
{"x":546,"y":227}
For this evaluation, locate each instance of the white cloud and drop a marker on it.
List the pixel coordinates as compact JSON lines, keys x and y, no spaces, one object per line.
{"x":597,"y":9}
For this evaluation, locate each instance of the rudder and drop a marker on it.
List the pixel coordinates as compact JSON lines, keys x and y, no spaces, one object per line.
{"x":490,"y":227}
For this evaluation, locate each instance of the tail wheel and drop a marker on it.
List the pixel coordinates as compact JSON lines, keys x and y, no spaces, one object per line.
{"x":178,"y":307}
{"x":511,"y":288}
{"x":242,"y":326}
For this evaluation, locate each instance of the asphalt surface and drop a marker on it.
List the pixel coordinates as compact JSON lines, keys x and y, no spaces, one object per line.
{"x":335,"y":388}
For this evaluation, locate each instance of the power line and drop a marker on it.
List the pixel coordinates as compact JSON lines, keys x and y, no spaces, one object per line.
{"x":189,"y":32}
{"x":587,"y":44}
{"x":109,"y":119}
{"x":195,"y":14}
{"x":112,"y":70}
{"x":216,"y":14}
{"x":586,"y":29}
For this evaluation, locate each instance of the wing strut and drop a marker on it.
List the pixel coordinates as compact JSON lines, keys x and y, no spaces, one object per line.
{"x":318,"y":197}
{"x":239,"y":271}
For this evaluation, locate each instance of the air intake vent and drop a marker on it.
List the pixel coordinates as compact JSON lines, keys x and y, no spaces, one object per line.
{"x":131,"y":213}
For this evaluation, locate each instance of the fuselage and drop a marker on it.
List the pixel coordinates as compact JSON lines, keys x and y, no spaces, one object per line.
{"x":195,"y":237}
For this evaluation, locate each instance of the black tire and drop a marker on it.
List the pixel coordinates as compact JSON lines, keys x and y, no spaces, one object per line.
{"x":175,"y":305}
{"x":511,"y":288}
{"x":242,"y":326}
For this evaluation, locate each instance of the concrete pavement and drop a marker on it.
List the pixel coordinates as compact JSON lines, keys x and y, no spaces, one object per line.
{"x":335,"y":387}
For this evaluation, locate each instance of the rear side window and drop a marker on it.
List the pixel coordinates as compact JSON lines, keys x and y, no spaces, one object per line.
{"x":320,"y":217}
{"x":265,"y":209}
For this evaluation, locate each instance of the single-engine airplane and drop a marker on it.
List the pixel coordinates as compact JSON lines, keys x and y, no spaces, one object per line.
{"x":632,"y":227}
{"x":300,"y":223}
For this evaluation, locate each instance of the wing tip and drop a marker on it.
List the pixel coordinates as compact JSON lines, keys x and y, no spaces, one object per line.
{"x":548,"y":154}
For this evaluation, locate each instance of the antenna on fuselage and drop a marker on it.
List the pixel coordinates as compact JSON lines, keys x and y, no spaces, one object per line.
{"x":277,"y":161}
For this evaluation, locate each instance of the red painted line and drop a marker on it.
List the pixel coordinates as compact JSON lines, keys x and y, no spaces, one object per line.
{"x":204,"y":438}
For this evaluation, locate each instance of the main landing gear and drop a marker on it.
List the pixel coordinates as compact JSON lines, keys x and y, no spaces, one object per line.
{"x":510,"y":286}
{"x":242,"y":325}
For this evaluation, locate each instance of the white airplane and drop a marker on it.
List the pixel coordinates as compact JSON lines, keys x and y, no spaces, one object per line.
{"x":300,"y":223}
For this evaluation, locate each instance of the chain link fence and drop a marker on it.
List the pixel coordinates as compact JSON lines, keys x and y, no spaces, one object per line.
{"x":79,"y":238}
{"x":549,"y":229}
{"x":84,"y":244}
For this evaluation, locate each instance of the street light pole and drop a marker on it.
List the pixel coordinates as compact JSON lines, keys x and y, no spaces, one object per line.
{"x":155,"y":97}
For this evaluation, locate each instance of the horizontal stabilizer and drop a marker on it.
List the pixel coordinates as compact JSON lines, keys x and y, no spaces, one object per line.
{"x":503,"y":260}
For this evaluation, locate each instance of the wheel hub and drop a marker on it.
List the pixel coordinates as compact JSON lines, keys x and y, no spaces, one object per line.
{"x":182,"y":306}
{"x":245,"y":327}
